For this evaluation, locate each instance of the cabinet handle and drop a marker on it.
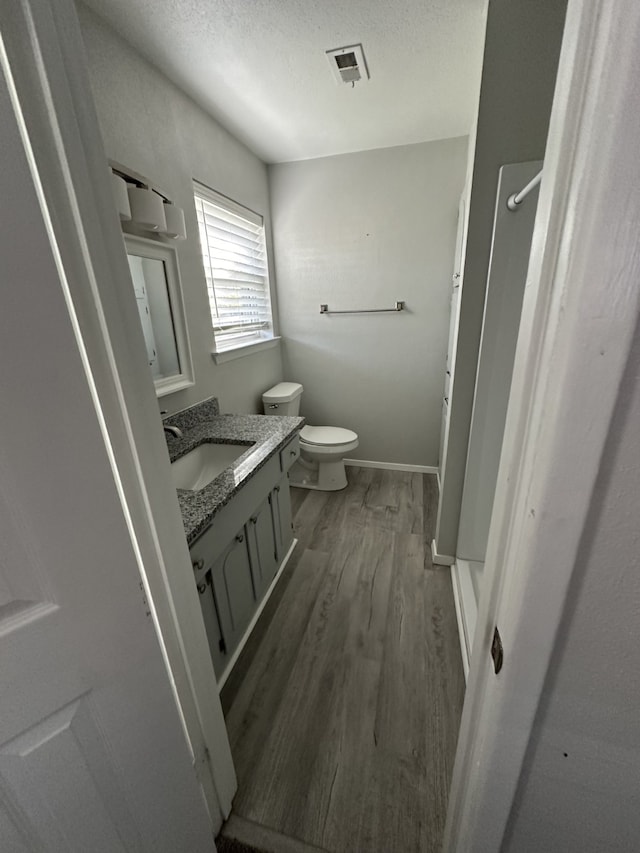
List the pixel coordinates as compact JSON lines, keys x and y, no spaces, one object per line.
{"x":198,"y":565}
{"x":292,"y":453}
{"x":202,"y":588}
{"x":240,"y":537}
{"x":276,"y":489}
{"x":254,"y":519}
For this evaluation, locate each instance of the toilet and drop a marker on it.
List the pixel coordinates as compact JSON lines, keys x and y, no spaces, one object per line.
{"x":322,"y":448}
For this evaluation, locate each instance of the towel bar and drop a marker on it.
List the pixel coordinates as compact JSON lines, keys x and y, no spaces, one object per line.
{"x":399,"y":306}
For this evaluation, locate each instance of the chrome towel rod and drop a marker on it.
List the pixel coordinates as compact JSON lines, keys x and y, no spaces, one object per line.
{"x":517,"y":198}
{"x":399,"y":306}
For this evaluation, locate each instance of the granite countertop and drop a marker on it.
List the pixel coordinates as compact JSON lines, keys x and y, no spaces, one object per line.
{"x":263,"y":435}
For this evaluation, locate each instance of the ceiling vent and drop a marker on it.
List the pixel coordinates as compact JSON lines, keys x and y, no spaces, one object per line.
{"x":348,"y":64}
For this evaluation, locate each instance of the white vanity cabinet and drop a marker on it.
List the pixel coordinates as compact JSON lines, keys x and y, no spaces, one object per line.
{"x":236,"y":559}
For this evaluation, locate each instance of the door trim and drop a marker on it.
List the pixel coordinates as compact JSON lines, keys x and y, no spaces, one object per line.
{"x":580,"y":312}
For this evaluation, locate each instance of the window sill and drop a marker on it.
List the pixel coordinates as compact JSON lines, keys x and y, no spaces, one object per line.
{"x":247,"y":349}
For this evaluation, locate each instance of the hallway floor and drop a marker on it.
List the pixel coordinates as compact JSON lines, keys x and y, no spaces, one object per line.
{"x":343,"y":710}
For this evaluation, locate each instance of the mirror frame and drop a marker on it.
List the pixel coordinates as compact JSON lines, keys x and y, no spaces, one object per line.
{"x":144,"y":248}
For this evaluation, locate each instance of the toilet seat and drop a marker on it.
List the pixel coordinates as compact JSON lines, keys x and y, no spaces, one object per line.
{"x":325,"y":436}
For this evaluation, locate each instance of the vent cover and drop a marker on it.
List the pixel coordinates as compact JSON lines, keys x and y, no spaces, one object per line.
{"x":348,"y":64}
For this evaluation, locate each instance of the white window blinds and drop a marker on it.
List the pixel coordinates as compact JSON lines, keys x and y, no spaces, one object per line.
{"x":234,"y":256}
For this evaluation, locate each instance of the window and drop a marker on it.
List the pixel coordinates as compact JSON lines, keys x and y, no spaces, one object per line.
{"x":234,"y":256}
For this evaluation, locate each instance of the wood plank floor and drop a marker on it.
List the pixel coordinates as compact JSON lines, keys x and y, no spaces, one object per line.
{"x":343,"y":710}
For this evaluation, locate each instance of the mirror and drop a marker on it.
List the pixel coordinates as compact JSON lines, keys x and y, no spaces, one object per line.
{"x":156,"y":281}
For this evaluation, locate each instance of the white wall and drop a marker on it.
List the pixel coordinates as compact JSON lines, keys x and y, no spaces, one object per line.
{"x":583,"y":772}
{"x":521,"y":54}
{"x":151,"y":126}
{"x":362,"y":231}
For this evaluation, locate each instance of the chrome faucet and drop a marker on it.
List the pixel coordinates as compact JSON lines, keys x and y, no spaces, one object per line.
{"x":172,"y":430}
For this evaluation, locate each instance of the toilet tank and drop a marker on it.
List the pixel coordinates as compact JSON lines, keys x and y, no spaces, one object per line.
{"x":282,"y":399}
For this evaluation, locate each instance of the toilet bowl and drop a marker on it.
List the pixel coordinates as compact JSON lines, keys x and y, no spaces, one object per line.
{"x":322,"y":448}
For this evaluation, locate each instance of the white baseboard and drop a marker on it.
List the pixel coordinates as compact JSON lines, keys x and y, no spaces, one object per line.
{"x":440,"y":559}
{"x":392,"y":466}
{"x":256,"y":616}
{"x":466,"y":609}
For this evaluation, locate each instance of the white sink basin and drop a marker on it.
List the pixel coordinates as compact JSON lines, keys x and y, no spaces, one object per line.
{"x":200,"y":466}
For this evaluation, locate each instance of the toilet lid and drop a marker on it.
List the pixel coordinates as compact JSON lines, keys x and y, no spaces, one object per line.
{"x":327,"y":436}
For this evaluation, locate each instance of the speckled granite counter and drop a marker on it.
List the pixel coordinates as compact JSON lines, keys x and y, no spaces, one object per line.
{"x":263,"y":435}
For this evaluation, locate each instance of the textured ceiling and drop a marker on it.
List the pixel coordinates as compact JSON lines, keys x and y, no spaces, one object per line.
{"x":259,"y":67}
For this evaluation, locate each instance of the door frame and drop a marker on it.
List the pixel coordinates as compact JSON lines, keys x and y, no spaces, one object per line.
{"x":580,"y":313}
{"x":42,"y":56}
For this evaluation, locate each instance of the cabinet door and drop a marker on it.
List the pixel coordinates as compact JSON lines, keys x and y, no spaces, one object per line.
{"x":212,"y":624}
{"x":233,"y":591}
{"x":263,"y":548}
{"x":281,"y":499}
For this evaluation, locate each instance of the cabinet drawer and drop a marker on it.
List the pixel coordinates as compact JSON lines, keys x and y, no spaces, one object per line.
{"x":290,"y":453}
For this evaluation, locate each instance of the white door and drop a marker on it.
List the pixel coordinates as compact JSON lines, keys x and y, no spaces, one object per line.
{"x":93,"y":755}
